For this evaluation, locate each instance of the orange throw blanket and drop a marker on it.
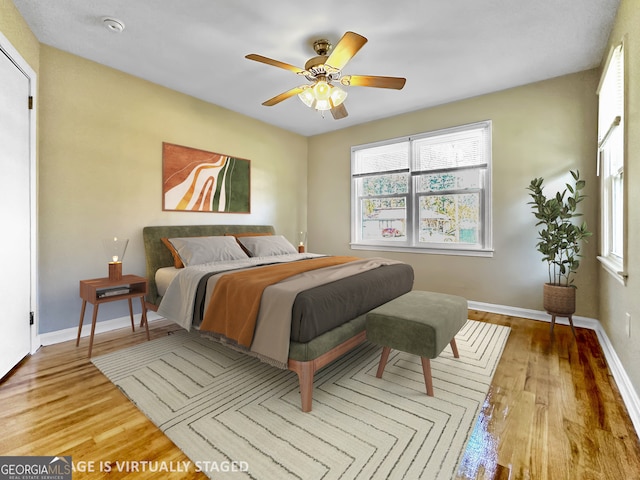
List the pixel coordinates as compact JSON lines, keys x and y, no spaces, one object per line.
{"x":235,"y":301}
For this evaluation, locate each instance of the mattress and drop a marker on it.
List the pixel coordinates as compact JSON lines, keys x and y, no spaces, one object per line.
{"x":164,"y":276}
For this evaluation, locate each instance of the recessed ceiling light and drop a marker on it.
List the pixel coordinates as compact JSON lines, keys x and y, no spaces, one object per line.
{"x":113,"y":24}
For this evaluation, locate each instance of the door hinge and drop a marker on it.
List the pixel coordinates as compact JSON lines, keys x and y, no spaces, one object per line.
{"x":30,"y":102}
{"x":31,"y":318}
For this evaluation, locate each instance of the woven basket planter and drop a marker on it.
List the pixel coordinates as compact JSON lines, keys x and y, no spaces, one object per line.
{"x":559,"y":300}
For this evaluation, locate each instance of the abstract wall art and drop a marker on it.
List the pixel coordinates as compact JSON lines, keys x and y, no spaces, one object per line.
{"x":195,"y":180}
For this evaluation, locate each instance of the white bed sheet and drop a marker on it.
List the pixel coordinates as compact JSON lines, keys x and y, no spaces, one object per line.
{"x":164,"y":276}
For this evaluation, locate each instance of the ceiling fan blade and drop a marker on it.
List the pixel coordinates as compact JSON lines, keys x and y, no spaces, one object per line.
{"x":276,"y":63}
{"x":346,"y":48}
{"x":283,"y":96}
{"x":339,"y":112}
{"x":373,"y":81}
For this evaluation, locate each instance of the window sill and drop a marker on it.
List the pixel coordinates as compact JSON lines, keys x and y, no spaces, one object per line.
{"x":431,"y":251}
{"x":615,"y":269}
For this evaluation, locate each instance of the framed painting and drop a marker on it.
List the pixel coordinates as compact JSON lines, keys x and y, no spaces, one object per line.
{"x":199,"y":181}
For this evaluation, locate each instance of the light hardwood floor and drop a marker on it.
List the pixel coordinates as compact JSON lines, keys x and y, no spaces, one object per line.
{"x":553,"y":411}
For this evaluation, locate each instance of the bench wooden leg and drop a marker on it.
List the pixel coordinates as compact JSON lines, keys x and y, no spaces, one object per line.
{"x":383,"y":361}
{"x":454,"y":347}
{"x":426,"y":371}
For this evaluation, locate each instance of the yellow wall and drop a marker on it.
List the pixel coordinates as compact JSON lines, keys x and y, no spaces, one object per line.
{"x":539,"y":130}
{"x":615,"y":299}
{"x":101,"y":134}
{"x":13,"y":26}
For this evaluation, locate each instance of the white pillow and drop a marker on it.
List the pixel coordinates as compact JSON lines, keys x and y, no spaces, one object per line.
{"x":199,"y":250}
{"x":267,"y":245}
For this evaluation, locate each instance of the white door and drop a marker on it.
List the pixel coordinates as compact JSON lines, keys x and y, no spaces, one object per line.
{"x":15,"y":215}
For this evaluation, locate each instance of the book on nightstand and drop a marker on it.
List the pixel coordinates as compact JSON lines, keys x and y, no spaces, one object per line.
{"x":113,"y":291}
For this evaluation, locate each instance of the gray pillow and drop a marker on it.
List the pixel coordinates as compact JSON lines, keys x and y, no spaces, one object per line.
{"x":199,"y":250}
{"x":267,"y":245}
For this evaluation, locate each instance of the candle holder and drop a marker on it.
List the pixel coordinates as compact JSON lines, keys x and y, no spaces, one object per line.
{"x":115,"y":248}
{"x":115,"y":271}
{"x":302,"y":241}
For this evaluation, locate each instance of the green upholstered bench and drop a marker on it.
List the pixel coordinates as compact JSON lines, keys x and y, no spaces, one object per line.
{"x":420,"y":323}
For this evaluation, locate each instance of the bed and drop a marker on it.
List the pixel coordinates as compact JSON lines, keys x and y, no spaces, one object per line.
{"x":335,"y":310}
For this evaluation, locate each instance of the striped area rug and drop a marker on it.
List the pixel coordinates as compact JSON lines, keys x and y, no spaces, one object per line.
{"x":220,"y":406}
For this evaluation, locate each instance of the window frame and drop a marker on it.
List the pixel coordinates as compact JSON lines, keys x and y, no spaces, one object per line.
{"x":613,"y":206}
{"x":484,"y":246}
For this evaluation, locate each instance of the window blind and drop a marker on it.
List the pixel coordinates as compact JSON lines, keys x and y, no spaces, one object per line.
{"x":611,"y":94}
{"x":381,"y":159}
{"x":450,"y":151}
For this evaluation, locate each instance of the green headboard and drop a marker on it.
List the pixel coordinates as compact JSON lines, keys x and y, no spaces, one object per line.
{"x":158,"y":255}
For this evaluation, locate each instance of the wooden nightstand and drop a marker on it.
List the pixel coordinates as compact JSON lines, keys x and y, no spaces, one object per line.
{"x":102,"y":290}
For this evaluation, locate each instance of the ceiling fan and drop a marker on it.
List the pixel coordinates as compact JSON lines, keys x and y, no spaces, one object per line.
{"x":326,"y":68}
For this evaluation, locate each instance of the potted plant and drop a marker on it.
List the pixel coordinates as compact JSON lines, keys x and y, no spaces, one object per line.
{"x":560,"y":239}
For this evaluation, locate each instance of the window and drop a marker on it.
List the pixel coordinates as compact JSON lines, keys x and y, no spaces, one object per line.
{"x":611,"y":163}
{"x":424,"y":193}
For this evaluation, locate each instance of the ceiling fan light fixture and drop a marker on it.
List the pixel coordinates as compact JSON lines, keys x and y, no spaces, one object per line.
{"x":324,"y":97}
{"x":323,"y":105}
{"x":337,"y":96}
{"x":322,"y":90}
{"x":307,"y":97}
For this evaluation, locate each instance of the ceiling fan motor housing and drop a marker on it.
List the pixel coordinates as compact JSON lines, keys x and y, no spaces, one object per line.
{"x":322,"y":46}
{"x":317,"y":67}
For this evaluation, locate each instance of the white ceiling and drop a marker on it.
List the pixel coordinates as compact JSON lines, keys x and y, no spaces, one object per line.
{"x":446,"y":49}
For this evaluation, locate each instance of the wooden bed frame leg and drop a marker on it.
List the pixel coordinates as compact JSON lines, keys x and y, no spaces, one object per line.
{"x":307,"y":369}
{"x":305,"y":377}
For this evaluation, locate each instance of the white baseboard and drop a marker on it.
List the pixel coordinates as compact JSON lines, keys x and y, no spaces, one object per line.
{"x":583,"y":322}
{"x":67,"y":334}
{"x":627,"y":391}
